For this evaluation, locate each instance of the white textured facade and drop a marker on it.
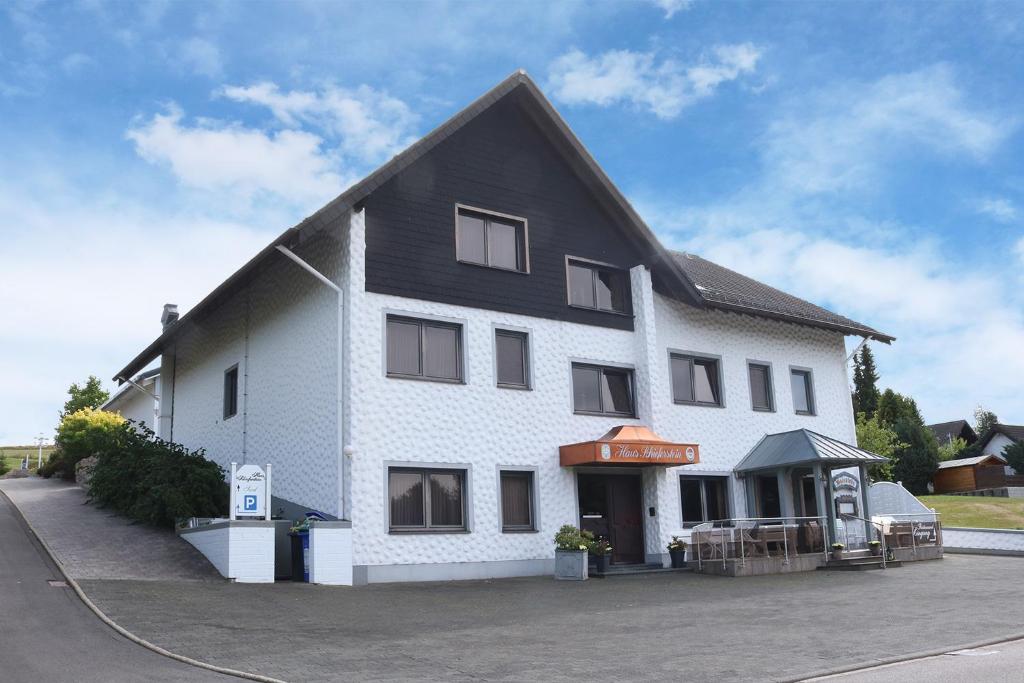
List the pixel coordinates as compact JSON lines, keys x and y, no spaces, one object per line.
{"x":135,"y":404}
{"x":332,"y":422}
{"x":996,"y":444}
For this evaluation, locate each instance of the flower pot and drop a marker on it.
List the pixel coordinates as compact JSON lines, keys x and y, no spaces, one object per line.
{"x":876,"y":550}
{"x":678,"y":558}
{"x":571,"y":565}
{"x":837,"y":554}
{"x":602,"y":562}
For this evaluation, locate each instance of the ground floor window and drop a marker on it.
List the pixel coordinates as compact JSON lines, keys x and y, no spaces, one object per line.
{"x":704,"y":499}
{"x":426,"y":499}
{"x":517,"y":501}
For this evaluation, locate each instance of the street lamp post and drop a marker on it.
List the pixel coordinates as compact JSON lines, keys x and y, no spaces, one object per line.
{"x":42,"y":440}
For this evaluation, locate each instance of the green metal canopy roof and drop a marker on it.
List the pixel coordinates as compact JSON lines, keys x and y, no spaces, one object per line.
{"x":803,"y":447}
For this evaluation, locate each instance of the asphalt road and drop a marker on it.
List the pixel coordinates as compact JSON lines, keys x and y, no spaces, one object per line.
{"x":1002,"y":662}
{"x":48,"y":634}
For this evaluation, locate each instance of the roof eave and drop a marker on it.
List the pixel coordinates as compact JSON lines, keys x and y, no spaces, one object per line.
{"x":800,"y":320}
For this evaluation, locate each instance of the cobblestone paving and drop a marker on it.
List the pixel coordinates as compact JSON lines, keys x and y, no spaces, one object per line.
{"x":97,"y":544}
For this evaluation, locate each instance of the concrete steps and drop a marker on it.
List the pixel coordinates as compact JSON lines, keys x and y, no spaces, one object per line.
{"x":859,"y":563}
{"x":634,"y":570}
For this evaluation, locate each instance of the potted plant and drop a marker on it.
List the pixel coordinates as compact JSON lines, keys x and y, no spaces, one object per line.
{"x":601,"y":549}
{"x":876,"y":547}
{"x":837,"y":551}
{"x":571,"y":553}
{"x":677,"y":551}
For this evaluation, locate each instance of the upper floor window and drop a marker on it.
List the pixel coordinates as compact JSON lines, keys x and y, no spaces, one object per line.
{"x":424,"y":349}
{"x":803,"y":391}
{"x":598,"y":390}
{"x":597,"y":285}
{"x":491,"y":239}
{"x":231,"y":392}
{"x":512,"y":359}
{"x":761,"y":394}
{"x":696,"y":380}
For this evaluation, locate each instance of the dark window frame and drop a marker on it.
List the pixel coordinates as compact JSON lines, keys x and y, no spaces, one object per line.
{"x":527,"y":374}
{"x":230,"y":399}
{"x":428,"y":527}
{"x":522,"y":234}
{"x":812,"y":403}
{"x":769,"y":385}
{"x":693,"y":358}
{"x":703,"y":479}
{"x":597,"y":267}
{"x":531,"y":480}
{"x":423,"y":324}
{"x":602,"y":368}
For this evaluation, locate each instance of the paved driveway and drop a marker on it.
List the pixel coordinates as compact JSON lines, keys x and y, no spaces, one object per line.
{"x":47,"y":634}
{"x":666,"y":627}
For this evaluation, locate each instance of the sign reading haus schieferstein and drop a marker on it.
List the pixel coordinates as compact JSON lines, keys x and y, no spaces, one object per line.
{"x":250,"y":489}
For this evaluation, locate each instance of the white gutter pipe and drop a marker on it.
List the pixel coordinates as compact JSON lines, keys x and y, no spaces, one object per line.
{"x":343,"y":450}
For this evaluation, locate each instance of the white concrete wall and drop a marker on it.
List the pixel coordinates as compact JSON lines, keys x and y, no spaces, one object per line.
{"x":282,"y":332}
{"x":330,"y":554}
{"x":983,"y":541}
{"x":996,"y":444}
{"x":243,"y":551}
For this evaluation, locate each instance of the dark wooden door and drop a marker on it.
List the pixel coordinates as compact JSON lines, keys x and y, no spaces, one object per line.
{"x":626,"y":519}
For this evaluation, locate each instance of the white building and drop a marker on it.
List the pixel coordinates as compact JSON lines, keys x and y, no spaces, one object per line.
{"x":138,"y":400}
{"x":413,"y":356}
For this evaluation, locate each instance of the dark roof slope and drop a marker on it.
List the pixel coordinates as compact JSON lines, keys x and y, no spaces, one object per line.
{"x":943,"y":430}
{"x":800,"y":447}
{"x":728,"y":290}
{"x":1012,"y":432}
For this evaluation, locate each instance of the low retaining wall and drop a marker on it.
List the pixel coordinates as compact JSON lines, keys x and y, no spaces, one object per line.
{"x":1001,"y":492}
{"x":330,"y":553}
{"x":760,"y":566}
{"x":241,"y":550}
{"x":983,"y":541}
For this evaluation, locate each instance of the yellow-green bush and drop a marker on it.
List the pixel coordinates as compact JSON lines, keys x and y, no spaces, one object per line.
{"x":83,"y":433}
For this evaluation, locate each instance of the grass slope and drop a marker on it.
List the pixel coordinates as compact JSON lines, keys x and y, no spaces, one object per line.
{"x":15,"y":454}
{"x":978,"y":511}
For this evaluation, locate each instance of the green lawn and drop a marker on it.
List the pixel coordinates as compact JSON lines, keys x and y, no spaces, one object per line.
{"x":978,"y":511}
{"x":15,"y":454}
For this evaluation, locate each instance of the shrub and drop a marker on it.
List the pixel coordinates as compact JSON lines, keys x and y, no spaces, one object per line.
{"x":571,"y":538}
{"x":157,"y":482}
{"x":80,"y":434}
{"x":4,"y":467}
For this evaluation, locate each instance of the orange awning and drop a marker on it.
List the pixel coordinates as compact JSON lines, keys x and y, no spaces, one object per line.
{"x":629,"y":445}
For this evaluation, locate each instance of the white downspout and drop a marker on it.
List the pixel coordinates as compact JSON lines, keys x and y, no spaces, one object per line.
{"x":340,"y":350}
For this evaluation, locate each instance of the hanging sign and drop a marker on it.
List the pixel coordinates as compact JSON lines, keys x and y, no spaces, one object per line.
{"x":250,"y":491}
{"x":845,"y":482}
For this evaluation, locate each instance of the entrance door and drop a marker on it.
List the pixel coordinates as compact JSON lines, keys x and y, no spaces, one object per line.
{"x":612,"y":506}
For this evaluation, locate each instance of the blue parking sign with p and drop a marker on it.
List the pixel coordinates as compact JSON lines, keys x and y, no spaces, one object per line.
{"x":249,"y":503}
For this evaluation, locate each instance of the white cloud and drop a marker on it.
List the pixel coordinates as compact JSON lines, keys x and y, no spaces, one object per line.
{"x":663,"y":87}
{"x":960,"y":328}
{"x":840,"y":138}
{"x":75,"y":62}
{"x":670,"y":7}
{"x":228,"y":157}
{"x":369,"y":124}
{"x":201,"y":57}
{"x":997,"y":208}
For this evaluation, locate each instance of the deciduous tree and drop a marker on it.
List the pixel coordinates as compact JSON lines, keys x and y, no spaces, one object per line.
{"x":89,"y":395}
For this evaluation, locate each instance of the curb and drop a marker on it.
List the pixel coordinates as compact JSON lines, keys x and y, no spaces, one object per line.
{"x":120,"y":629}
{"x":899,"y":659}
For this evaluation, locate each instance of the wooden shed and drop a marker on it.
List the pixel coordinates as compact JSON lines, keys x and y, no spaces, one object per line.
{"x":970,"y":474}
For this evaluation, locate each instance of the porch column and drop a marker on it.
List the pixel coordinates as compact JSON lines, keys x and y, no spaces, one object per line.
{"x":784,"y":482}
{"x":868,"y":526}
{"x":824,"y":505}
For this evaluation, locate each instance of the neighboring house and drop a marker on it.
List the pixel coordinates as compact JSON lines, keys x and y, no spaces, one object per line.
{"x":970,"y":474}
{"x":138,"y":400}
{"x":945,"y":432}
{"x":425,"y":355}
{"x":999,"y":436}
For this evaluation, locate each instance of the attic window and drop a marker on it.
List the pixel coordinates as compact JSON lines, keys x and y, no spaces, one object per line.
{"x":487,"y":238}
{"x":597,"y":285}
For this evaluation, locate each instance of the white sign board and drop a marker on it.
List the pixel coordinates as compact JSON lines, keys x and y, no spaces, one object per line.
{"x":250,"y":491}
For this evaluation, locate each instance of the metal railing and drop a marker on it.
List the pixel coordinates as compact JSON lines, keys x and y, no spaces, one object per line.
{"x":923,"y":528}
{"x":742,"y":538}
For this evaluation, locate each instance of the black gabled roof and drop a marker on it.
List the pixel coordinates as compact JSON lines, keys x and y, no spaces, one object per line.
{"x":668,"y":267}
{"x":728,"y":290}
{"x":943,"y":430}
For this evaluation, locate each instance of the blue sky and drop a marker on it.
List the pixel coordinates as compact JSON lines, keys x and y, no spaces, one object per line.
{"x":865,"y":156}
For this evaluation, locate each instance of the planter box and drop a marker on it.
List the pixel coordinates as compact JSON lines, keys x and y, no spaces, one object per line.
{"x":571,"y":565}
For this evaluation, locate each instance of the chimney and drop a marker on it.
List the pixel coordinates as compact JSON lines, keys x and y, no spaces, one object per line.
{"x":169,"y":316}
